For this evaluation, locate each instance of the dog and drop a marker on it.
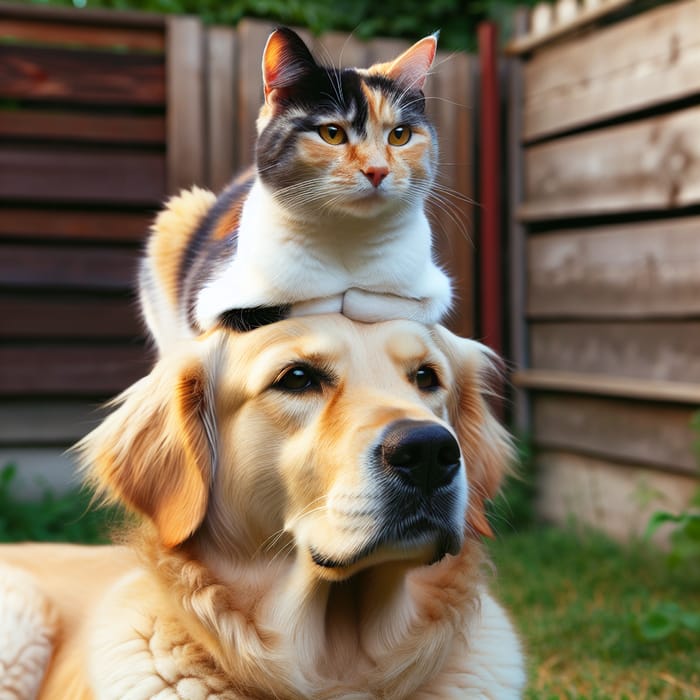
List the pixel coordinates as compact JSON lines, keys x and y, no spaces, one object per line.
{"x":311,"y":497}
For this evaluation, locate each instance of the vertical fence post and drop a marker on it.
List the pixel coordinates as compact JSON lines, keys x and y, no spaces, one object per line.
{"x":490,"y":175}
{"x":517,"y":249}
{"x":185,"y":115}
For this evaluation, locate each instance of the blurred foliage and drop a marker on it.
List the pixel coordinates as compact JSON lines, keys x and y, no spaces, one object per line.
{"x":68,"y":517}
{"x":410,"y":19}
{"x":669,"y":618}
{"x":513,"y":509}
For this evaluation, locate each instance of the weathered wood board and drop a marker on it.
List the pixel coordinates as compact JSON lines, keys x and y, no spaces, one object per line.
{"x":639,"y":270}
{"x":631,"y":65}
{"x":652,"y":164}
{"x":656,"y":435}
{"x":82,"y":76}
{"x":662,"y":350}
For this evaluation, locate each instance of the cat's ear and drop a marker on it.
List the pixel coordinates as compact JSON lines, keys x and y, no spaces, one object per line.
{"x":411,"y":68}
{"x":286,"y":61}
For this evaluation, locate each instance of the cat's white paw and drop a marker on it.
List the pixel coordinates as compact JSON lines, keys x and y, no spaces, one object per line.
{"x":314,"y":307}
{"x":372,"y":307}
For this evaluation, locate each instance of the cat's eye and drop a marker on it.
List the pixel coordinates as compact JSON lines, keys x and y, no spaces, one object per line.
{"x":426,"y":378}
{"x":400,"y":135}
{"x":333,"y":134}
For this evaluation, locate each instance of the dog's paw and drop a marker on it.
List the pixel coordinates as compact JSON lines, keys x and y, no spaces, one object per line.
{"x":27,"y":629}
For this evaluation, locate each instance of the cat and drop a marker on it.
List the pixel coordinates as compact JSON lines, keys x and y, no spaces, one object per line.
{"x":331,"y":219}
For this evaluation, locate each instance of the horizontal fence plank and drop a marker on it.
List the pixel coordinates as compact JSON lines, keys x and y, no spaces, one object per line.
{"x":649,"y":434}
{"x":70,"y":371}
{"x":616,"y":498}
{"x":605,"y":385}
{"x":67,"y":267}
{"x":667,"y":351}
{"x":630,"y":65}
{"x":84,"y":16}
{"x":46,"y":422}
{"x":627,"y":271}
{"x":46,"y":31}
{"x":75,"y":126}
{"x":647,"y":165}
{"x":95,"y":226}
{"x":89,"y":176}
{"x":82,"y":77}
{"x":58,"y":317}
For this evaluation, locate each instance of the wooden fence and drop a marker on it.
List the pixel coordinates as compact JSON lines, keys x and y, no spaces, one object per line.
{"x":606,"y":323}
{"x":102,"y":115}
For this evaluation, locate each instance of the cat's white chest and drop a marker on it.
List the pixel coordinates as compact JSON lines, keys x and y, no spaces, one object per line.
{"x":278,"y":264}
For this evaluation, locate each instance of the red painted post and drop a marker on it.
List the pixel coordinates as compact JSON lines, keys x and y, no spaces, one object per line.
{"x":491,"y":301}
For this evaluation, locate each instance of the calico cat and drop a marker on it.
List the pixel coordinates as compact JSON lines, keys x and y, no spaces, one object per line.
{"x":330,"y":220}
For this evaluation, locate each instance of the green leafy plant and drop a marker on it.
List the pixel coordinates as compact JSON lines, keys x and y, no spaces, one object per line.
{"x":66,"y":517}
{"x":665,"y":619}
{"x":668,"y":618}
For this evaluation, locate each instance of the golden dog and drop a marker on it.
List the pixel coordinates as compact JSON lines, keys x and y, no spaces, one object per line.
{"x":313,"y":493}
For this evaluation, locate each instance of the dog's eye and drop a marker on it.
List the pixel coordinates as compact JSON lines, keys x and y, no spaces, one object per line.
{"x":426,"y":378}
{"x":297,"y":379}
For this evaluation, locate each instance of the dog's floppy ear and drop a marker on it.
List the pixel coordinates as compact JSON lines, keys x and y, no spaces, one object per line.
{"x":155,"y":453}
{"x":486,"y":445}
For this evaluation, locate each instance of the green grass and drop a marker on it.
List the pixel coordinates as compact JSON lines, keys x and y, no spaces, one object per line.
{"x":578,"y":601}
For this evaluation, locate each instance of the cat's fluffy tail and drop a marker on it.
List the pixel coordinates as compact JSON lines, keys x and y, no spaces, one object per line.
{"x":160,"y":283}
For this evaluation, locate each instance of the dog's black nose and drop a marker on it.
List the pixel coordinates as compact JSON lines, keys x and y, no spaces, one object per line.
{"x":422,"y":453}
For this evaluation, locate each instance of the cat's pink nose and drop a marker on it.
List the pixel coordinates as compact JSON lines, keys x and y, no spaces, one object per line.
{"x":375,"y":175}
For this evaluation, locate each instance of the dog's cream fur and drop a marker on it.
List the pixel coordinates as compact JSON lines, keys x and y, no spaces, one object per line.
{"x":240,"y":480}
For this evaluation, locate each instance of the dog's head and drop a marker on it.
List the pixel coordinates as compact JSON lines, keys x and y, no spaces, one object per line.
{"x":340,"y":443}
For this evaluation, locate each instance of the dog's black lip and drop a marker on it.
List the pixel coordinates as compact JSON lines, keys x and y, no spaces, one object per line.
{"x":331,"y":563}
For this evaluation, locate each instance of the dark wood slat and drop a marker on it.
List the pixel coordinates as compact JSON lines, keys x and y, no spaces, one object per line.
{"x":74,"y":126}
{"x":67,"y":267}
{"x":81,"y":175}
{"x":121,"y":226}
{"x":52,"y":317}
{"x":42,"y":421}
{"x":82,"y":77}
{"x":71,"y":371}
{"x":46,"y":31}
{"x":121,"y":18}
